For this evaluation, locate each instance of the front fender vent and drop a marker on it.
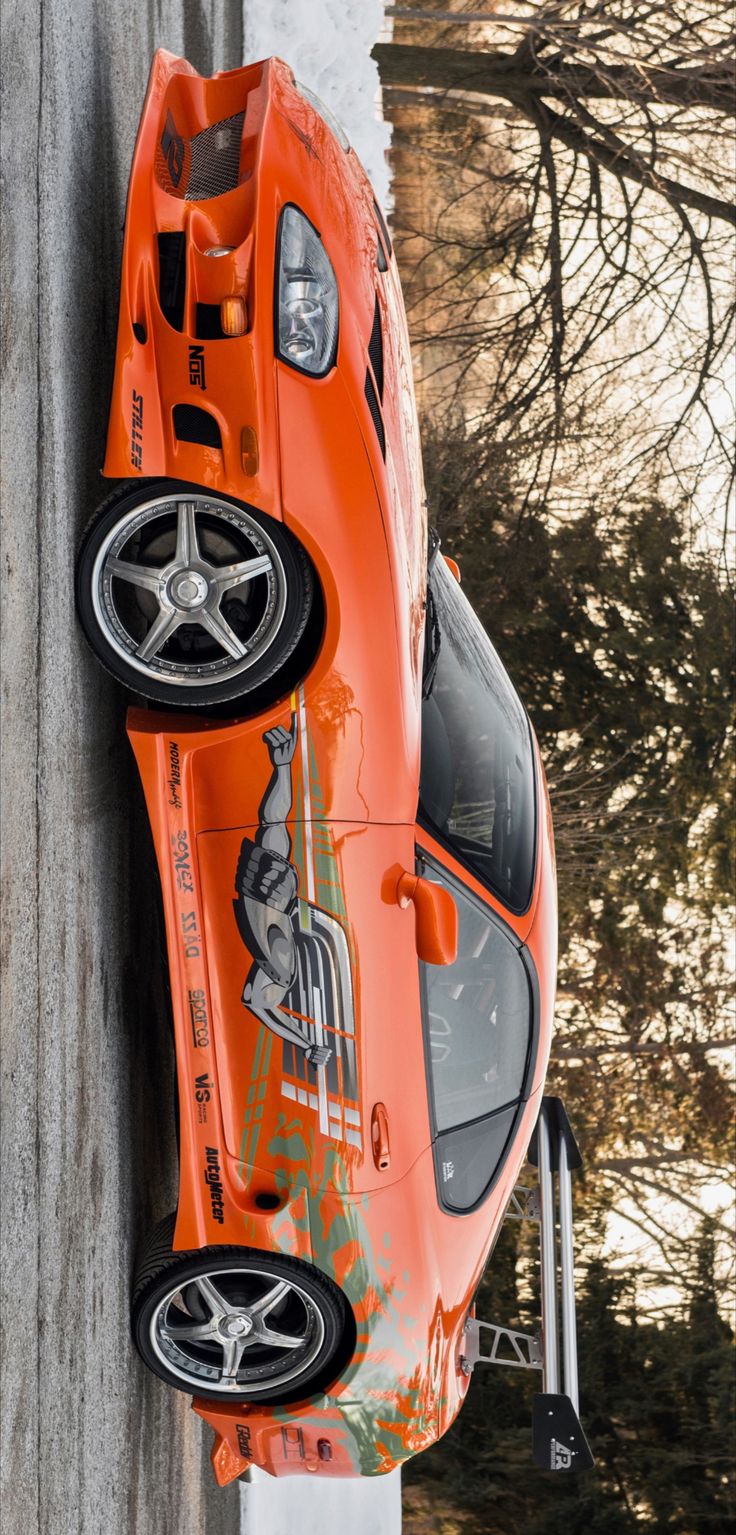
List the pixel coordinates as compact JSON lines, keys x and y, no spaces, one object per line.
{"x":192,"y":424}
{"x":375,"y":350}
{"x":383,"y":226}
{"x":375,"y":410}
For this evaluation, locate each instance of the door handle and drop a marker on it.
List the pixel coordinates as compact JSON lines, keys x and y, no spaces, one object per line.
{"x":379,"y":1137}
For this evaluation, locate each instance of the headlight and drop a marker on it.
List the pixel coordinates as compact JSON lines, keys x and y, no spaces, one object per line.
{"x":325,"y":113}
{"x":306,"y":324}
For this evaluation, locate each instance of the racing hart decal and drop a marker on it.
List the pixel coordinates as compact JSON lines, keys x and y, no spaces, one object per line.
{"x":300,"y":980}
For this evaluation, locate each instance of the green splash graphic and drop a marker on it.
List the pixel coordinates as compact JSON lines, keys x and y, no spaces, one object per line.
{"x":383,"y":1415}
{"x":254,"y":1103}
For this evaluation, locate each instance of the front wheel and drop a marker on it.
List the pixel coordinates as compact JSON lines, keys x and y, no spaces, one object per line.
{"x":189,"y":597}
{"x":238,"y":1324}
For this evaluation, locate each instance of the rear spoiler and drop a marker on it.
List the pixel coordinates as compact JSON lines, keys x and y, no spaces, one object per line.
{"x":558,"y":1441}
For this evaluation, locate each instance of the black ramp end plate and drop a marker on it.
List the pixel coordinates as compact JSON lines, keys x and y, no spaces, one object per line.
{"x":558,"y":1441}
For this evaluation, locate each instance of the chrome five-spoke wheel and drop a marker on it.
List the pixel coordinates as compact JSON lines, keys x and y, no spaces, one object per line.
{"x":190,"y":597}
{"x":237,"y":1330}
{"x":237,"y":1322}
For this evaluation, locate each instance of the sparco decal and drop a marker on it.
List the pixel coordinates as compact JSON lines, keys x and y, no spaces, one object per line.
{"x":243,"y":1432}
{"x":182,"y":864}
{"x":213,"y":1179}
{"x":196,"y":367}
{"x":202,"y":1095}
{"x":199,"y":1019}
{"x":173,"y":781}
{"x":190,"y":933}
{"x":172,"y":145}
{"x":136,"y":431}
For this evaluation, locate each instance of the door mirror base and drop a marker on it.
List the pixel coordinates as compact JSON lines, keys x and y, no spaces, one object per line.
{"x":436,"y":918}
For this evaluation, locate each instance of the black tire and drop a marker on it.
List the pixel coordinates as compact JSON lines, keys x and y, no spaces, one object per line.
{"x":160,"y":1270}
{"x":295,"y":574}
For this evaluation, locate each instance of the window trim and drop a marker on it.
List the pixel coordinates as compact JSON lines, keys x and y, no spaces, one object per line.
{"x":424,"y":861}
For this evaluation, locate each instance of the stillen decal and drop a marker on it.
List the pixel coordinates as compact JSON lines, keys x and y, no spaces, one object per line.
{"x":300,"y":982}
{"x":136,"y":430}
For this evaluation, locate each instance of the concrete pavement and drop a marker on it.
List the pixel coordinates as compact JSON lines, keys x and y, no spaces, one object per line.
{"x":91,"y":1442}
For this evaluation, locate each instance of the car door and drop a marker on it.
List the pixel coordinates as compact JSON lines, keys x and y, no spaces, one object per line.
{"x":314,"y":987}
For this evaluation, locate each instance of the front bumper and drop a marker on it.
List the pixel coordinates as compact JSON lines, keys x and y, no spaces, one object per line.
{"x":215,"y":161}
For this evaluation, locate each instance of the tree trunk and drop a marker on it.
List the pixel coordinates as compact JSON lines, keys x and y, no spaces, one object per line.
{"x":633,"y":1047}
{"x":505,"y":75}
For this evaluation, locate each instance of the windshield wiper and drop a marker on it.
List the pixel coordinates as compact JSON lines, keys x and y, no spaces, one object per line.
{"x":432,"y":637}
{"x":432,"y":643}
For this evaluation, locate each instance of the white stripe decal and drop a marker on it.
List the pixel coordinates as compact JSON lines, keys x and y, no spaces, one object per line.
{"x":309,"y":853}
{"x":319,"y":1034}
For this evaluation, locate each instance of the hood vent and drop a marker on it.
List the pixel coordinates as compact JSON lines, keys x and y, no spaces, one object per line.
{"x":215,"y":163}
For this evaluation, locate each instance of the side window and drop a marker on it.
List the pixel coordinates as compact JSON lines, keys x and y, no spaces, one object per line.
{"x":478,"y":1019}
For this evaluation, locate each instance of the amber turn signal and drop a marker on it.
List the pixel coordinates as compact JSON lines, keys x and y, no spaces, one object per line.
{"x":233,"y":315}
{"x":249,"y":450}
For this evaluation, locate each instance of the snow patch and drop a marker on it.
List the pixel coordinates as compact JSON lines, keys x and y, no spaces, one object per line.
{"x":328,"y":45}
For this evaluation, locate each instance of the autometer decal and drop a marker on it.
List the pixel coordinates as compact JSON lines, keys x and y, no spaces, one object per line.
{"x":291,"y":917}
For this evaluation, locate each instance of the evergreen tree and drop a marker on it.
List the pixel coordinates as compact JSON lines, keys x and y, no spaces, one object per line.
{"x":656,"y":1403}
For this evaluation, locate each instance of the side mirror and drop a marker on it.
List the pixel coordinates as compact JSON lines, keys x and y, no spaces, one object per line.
{"x":436,"y":915}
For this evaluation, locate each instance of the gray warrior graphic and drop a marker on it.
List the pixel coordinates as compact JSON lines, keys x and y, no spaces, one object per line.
{"x":280,"y":986}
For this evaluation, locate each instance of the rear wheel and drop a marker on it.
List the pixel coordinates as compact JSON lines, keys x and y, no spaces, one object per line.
{"x":237,"y":1324}
{"x":190,"y":597}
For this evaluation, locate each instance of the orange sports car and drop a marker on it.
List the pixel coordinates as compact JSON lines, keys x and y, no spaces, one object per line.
{"x":348,"y":808}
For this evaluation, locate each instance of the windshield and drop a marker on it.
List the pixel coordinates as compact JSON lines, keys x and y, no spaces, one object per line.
{"x":477,"y":774}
